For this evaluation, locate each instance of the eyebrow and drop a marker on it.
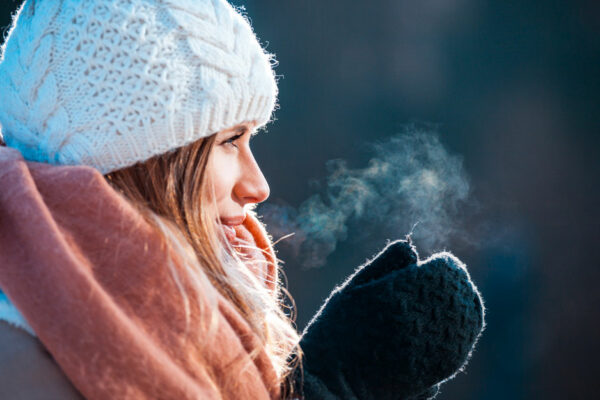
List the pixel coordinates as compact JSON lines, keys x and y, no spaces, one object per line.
{"x":242,"y":129}
{"x":246,"y":129}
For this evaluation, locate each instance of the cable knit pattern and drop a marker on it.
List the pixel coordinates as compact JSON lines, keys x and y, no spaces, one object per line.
{"x":110,"y":83}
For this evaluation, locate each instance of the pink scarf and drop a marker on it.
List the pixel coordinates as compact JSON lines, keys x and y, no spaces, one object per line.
{"x":88,"y":274}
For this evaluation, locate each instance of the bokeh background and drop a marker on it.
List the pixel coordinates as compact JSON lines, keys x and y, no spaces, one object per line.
{"x":512,"y":92}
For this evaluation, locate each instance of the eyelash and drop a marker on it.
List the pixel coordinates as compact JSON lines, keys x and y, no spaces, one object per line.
{"x":232,"y":139}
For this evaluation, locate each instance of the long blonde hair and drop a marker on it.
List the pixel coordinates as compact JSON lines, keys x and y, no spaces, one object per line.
{"x":173,"y":191}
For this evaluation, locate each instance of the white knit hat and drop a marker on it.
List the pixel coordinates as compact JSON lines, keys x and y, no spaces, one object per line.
{"x":108,"y":83}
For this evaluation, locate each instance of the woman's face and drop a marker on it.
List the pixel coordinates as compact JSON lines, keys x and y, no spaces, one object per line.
{"x":235,"y":174}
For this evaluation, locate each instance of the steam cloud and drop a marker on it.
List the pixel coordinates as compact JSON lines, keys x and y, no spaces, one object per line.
{"x":412,"y":185}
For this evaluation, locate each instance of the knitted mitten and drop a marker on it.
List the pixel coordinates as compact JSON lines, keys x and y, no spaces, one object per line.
{"x":395,"y":329}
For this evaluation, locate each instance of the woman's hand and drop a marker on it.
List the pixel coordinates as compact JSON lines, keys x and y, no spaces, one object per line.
{"x":394,"y":330}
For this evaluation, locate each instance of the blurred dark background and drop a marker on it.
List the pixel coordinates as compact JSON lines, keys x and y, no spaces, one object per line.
{"x":513,"y":88}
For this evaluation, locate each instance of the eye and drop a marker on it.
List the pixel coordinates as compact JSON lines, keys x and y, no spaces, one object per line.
{"x":232,"y":140}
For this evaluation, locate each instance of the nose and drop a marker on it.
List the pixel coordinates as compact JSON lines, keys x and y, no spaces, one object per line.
{"x":252,"y":187}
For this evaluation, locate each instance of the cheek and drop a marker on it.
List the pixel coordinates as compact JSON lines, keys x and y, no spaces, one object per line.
{"x":223,"y":172}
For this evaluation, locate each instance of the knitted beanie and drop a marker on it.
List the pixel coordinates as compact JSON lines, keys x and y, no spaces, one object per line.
{"x":108,"y":83}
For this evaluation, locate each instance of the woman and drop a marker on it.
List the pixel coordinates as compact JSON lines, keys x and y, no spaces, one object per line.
{"x":128,"y":242}
{"x":136,"y":90}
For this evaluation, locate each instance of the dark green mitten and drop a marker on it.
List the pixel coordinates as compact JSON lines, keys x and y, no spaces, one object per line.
{"x":395,"y":329}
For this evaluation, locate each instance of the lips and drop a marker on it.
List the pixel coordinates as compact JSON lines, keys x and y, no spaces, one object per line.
{"x":233,"y":221}
{"x":229,"y":224}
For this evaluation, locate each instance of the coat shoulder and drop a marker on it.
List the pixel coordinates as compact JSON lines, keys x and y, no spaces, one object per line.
{"x":27,"y":370}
